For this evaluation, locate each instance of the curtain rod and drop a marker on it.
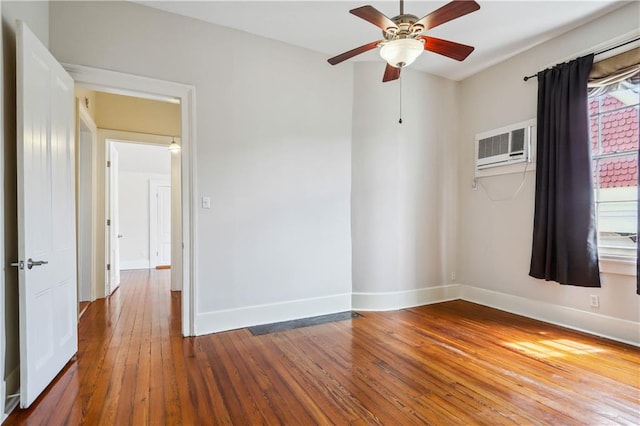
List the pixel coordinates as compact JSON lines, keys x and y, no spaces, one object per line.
{"x":596,"y":53}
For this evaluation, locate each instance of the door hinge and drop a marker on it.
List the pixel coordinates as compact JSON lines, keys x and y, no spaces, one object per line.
{"x":108,"y":266}
{"x":108,"y":163}
{"x":108,"y":222}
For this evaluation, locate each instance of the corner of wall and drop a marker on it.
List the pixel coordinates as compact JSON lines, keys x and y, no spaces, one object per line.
{"x":391,"y":301}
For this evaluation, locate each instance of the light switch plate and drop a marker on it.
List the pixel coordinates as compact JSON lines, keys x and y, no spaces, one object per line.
{"x":206,"y":202}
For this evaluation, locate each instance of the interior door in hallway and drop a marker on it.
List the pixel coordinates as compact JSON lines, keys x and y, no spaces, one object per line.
{"x":160,"y":223}
{"x":114,"y":220}
{"x":46,"y":215}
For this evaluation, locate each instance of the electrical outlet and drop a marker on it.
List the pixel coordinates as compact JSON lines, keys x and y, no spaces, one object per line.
{"x":595,"y":301}
{"x":453,"y":276}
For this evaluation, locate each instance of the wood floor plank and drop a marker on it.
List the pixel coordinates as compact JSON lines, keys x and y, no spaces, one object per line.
{"x":448,"y":363}
{"x":258,"y":367}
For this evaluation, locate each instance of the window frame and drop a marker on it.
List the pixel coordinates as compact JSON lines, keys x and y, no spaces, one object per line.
{"x":611,"y":263}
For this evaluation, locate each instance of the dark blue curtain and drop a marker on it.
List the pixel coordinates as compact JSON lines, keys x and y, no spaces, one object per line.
{"x":565,"y":246}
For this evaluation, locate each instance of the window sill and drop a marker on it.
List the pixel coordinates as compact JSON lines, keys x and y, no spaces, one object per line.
{"x":618,"y":265}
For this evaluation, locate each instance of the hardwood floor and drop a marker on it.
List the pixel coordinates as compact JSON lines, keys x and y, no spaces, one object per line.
{"x":449,"y":363}
{"x":82,"y":307}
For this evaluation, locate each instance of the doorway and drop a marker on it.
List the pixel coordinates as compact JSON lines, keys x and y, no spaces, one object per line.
{"x":141,"y":204}
{"x":133,"y":151}
{"x":147,"y":88}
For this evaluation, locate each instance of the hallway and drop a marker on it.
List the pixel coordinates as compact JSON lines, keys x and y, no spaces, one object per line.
{"x":122,"y":340}
{"x":127,"y":336}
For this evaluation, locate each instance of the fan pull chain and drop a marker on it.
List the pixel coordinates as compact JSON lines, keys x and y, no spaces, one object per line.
{"x":400,"y":81}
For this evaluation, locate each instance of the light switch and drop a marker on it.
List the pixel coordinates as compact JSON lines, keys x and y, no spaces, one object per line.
{"x":206,"y":202}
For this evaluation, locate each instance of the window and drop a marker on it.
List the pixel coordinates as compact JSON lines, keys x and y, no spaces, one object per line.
{"x":613,"y":118}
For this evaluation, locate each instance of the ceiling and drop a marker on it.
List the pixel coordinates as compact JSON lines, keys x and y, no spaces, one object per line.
{"x":499,"y":30}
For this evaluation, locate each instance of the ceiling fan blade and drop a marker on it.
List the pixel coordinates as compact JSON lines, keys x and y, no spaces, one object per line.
{"x":448,"y":12}
{"x":390,"y":73}
{"x":447,"y":48}
{"x":353,"y":52}
{"x":377,"y":18}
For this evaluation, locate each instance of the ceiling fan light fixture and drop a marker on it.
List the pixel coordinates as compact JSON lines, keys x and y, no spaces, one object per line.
{"x":401,"y":52}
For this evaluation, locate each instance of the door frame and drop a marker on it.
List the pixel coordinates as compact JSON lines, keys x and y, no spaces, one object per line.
{"x":145,"y":87}
{"x":108,"y":137}
{"x":86,"y":244}
{"x":3,"y":383}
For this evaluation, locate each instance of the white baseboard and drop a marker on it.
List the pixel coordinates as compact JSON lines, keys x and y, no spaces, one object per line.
{"x":231,"y":319}
{"x":390,"y":301}
{"x":600,"y":325}
{"x":134,"y":264}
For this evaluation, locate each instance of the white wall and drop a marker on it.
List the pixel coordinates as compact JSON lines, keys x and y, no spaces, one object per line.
{"x":495,"y":237}
{"x":403,"y":190}
{"x":273,"y":153}
{"x":36,"y":15}
{"x":143,"y":157}
{"x":274,"y":131}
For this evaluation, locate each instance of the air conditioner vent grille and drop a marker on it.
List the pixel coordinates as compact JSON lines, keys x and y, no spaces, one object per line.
{"x":494,"y":145}
{"x":517,"y":140}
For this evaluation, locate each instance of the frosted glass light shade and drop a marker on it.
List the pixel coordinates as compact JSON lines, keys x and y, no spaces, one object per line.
{"x":402,"y":52}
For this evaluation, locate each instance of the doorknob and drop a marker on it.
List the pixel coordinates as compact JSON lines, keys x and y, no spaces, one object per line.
{"x":31,"y":263}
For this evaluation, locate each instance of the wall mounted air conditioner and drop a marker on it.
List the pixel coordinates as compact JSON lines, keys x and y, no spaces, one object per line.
{"x":505,"y":146}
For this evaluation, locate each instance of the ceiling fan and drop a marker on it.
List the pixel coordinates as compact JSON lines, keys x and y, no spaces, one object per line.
{"x":403,"y":36}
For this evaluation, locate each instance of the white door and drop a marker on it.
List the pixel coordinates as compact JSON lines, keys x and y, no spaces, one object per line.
{"x":114,"y":214}
{"x":164,"y":225}
{"x":46,"y":216}
{"x":160,"y":223}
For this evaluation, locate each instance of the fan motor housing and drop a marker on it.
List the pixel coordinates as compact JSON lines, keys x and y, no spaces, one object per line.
{"x":405,"y":27}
